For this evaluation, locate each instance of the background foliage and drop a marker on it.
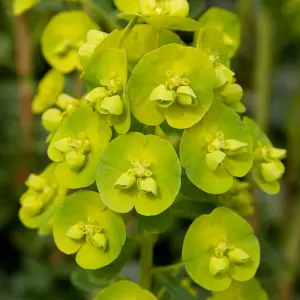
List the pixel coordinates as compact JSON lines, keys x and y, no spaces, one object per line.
{"x":267,"y":66}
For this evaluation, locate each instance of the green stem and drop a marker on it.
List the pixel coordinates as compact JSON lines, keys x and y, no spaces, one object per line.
{"x":127,"y":31}
{"x":146,"y":261}
{"x":263,"y":68}
{"x":168,"y":268}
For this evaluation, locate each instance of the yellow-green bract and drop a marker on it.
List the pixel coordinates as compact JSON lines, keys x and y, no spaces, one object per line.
{"x":249,"y":290}
{"x":49,"y":88}
{"x":141,"y":171}
{"x":267,"y":167}
{"x":220,"y":247}
{"x":173,"y":83}
{"x":62,"y":38}
{"x":84,"y":225}
{"x":20,"y":6}
{"x":227,"y":23}
{"x":106,"y":77}
{"x":40,"y":201}
{"x":77,"y":146}
{"x":124,"y":290}
{"x":216,"y":150}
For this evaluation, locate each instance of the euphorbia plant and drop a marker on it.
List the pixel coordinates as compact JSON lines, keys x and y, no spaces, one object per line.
{"x":156,"y":127}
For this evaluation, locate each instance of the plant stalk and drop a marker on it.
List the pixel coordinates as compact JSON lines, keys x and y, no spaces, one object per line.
{"x":146,"y":261}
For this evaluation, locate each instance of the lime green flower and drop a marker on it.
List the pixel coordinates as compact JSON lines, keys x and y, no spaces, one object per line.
{"x":40,"y":201}
{"x":210,"y":41}
{"x":216,"y":150}
{"x":106,"y":76}
{"x":267,"y":168}
{"x":249,"y":290}
{"x":124,"y":290}
{"x":238,"y":198}
{"x":20,"y":6}
{"x":219,"y":248}
{"x":227,"y":23}
{"x":63,"y":36}
{"x":76,"y":147}
{"x":85,"y":226}
{"x":160,"y":14}
{"x":145,"y":174}
{"x":87,"y":50}
{"x":49,"y":88}
{"x":173,"y":83}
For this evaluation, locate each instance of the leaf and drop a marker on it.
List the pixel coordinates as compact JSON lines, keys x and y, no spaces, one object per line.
{"x":155,"y":224}
{"x":20,"y":6}
{"x":174,"y":288}
{"x":80,"y":278}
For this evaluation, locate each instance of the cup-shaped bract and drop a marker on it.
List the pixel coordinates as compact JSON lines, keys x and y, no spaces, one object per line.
{"x":64,"y":35}
{"x":161,"y":73}
{"x":216,"y":150}
{"x":40,"y":201}
{"x":124,"y":290}
{"x":227,"y":23}
{"x":106,"y":77}
{"x":49,"y":88}
{"x":267,"y":168}
{"x":141,"y":171}
{"x":77,"y":146}
{"x":20,"y":6}
{"x":249,"y":290}
{"x":219,"y":248}
{"x":83,"y":225}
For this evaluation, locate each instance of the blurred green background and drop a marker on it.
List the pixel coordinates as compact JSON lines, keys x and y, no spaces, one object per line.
{"x":267,"y":66}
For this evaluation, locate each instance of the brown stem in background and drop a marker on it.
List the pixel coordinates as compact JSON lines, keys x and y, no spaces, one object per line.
{"x":23,"y":64}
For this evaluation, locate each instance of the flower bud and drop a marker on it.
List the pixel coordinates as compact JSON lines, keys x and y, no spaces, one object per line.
{"x":36,"y":182}
{"x":214,"y":159}
{"x":218,"y":265}
{"x":276,"y":153}
{"x":76,"y":232}
{"x":63,"y":145}
{"x":147,"y":185}
{"x":86,"y":52}
{"x":51,"y":119}
{"x":163,"y":96}
{"x":64,"y":101}
{"x":223,"y":75}
{"x":111,"y":105}
{"x":32,"y":205}
{"x":125,"y":181}
{"x":100,"y":240}
{"x":47,"y":195}
{"x":178,"y":8}
{"x":272,"y":171}
{"x":96,"y":95}
{"x":186,"y":96}
{"x":238,"y":256}
{"x":96,"y":37}
{"x":234,"y":145}
{"x":75,"y":161}
{"x":231,"y":93}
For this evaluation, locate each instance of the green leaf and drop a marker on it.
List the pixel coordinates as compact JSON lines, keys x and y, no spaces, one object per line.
{"x":227,"y":23}
{"x":62,"y":38}
{"x":212,"y":236}
{"x":249,"y":290}
{"x":152,"y":71}
{"x":20,"y":6}
{"x":163,"y":165}
{"x":123,"y":290}
{"x":195,"y":146}
{"x":109,"y":273}
{"x":82,"y":121}
{"x":81,"y":279}
{"x":87,"y":209}
{"x":126,"y":6}
{"x":173,"y":287}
